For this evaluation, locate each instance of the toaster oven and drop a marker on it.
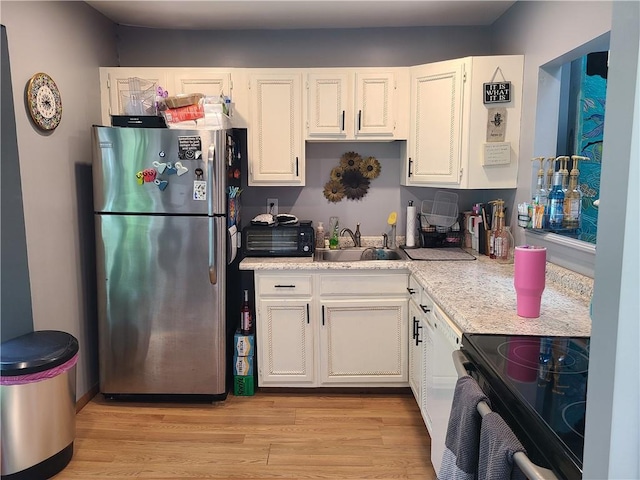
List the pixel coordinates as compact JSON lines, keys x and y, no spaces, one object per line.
{"x":278,"y":240}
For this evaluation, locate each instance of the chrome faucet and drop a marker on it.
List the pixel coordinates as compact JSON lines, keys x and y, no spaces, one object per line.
{"x":353,"y":237}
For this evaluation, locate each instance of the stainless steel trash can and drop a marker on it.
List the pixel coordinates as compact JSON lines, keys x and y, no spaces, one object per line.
{"x":38,"y":398}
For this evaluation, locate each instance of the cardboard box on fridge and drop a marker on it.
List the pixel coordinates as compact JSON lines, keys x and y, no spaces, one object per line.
{"x":243,"y":345}
{"x":242,"y":366}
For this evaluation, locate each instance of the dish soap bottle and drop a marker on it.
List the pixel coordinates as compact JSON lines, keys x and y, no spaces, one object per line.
{"x":334,"y":242}
{"x":320,"y":235}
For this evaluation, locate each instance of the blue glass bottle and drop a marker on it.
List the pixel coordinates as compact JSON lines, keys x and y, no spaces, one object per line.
{"x":556,"y":202}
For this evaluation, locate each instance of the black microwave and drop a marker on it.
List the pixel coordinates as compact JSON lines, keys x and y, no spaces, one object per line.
{"x":278,"y":240}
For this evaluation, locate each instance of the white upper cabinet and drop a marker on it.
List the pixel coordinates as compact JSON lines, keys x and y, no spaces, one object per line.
{"x":115,"y":84}
{"x":374,"y":112}
{"x":276,"y":146}
{"x":208,"y":81}
{"x":448,"y":139}
{"x":355,"y":104}
{"x":327,"y":100}
{"x":434,"y":136}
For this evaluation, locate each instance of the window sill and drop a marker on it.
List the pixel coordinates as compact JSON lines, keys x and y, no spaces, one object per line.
{"x":574,"y":255}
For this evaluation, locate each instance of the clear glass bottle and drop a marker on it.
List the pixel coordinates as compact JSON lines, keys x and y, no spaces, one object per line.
{"x":358,"y":236}
{"x":556,"y":202}
{"x":540,"y":194}
{"x":501,"y":236}
{"x":539,"y":201}
{"x":573,"y":197}
{"x":510,"y":249}
{"x":572,"y":206}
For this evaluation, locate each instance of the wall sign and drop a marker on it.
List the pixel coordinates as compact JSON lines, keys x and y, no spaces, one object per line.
{"x":497,"y":92}
{"x":496,"y":154}
{"x":496,"y":124}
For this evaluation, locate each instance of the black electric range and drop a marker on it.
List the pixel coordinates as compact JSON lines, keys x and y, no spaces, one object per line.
{"x":539,"y":386}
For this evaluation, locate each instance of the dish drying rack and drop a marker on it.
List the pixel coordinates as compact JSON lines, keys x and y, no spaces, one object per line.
{"x":440,"y":222}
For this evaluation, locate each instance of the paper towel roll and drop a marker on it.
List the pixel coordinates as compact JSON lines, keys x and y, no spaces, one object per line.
{"x":410,"y":239}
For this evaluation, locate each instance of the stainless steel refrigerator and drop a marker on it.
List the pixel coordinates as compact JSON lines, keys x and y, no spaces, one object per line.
{"x":164,"y":240}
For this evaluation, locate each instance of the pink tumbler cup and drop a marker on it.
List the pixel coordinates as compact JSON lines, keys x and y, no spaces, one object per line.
{"x":529,"y":272}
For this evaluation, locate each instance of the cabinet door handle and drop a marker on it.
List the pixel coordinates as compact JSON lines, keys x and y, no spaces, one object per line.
{"x":323,"y":315}
{"x":425,"y":309}
{"x":342,"y":127}
{"x":410,"y":164}
{"x":307,"y":314}
{"x":359,"y":119}
{"x":410,"y":290}
{"x":415,"y":330}
{"x":297,"y":174}
{"x":418,"y":341}
{"x":286,"y":286}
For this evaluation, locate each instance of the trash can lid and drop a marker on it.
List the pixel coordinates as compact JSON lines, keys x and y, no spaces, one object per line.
{"x":36,"y":352}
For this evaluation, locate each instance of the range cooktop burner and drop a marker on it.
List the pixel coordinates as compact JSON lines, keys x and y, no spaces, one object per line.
{"x":540,"y":384}
{"x":539,"y":355}
{"x":573,"y":414}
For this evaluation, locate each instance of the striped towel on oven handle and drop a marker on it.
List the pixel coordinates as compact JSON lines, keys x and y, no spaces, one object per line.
{"x":462,"y":443}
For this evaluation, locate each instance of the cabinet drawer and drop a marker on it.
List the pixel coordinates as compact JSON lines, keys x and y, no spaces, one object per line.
{"x":363,"y":285}
{"x":415,"y":289}
{"x":284,"y":285}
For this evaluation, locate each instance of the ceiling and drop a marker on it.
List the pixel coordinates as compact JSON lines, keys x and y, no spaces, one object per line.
{"x":299,"y":14}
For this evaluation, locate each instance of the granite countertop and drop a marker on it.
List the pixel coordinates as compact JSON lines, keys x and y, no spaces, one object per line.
{"x":477,"y":295}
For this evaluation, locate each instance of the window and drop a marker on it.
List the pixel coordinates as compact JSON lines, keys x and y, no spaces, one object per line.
{"x":566,"y":126}
{"x":582,"y":103}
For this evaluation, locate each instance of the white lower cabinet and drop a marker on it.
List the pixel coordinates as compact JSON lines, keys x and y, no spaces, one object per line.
{"x":432,"y":374}
{"x":363,"y":341}
{"x":286,"y":348}
{"x":416,"y":351}
{"x":331,"y":329}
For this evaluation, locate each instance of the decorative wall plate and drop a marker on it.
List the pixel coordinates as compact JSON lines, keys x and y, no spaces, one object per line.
{"x":44,"y":101}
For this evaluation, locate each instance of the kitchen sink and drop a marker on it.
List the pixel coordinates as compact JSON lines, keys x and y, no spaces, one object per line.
{"x":359,"y":254}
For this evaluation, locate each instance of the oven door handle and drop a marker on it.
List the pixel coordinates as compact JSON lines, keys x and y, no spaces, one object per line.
{"x":530,"y":469}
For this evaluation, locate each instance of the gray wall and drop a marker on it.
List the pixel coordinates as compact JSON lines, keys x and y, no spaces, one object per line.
{"x":613,"y":398}
{"x":69,"y":41}
{"x":370,"y":47}
{"x":17,"y":316}
{"x":542,"y":31}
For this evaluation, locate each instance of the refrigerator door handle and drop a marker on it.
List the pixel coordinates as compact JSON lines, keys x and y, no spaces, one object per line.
{"x":213,"y":276}
{"x":211,"y":174}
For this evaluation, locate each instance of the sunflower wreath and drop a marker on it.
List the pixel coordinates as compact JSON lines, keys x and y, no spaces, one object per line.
{"x":351,"y":178}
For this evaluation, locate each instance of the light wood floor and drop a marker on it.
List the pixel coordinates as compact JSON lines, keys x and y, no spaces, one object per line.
{"x":266,"y":436}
